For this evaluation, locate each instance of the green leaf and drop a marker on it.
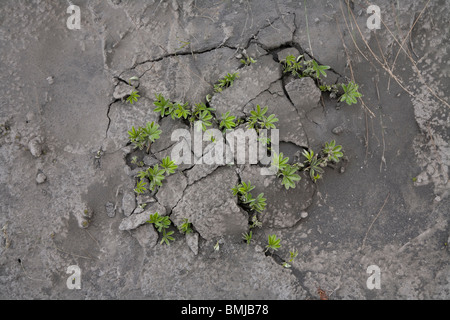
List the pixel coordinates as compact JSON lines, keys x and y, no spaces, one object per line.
{"x":168,"y":166}
{"x":133,"y":97}
{"x":273,"y":243}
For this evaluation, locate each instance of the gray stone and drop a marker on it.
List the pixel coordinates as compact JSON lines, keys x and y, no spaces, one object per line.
{"x":278,"y":33}
{"x":136,"y":220}
{"x":41,"y":178}
{"x":150,"y":161}
{"x":146,"y":235}
{"x":35,"y":147}
{"x":253,"y":80}
{"x":128,"y":202}
{"x":172,"y":190}
{"x":211,"y":207}
{"x":286,"y":52}
{"x":122,"y":91}
{"x":110,"y":210}
{"x":304,"y":215}
{"x":338,"y":130}
{"x":290,"y":124}
{"x":192,"y":242}
{"x":284,"y":207}
{"x":145,"y":198}
{"x":304,"y":94}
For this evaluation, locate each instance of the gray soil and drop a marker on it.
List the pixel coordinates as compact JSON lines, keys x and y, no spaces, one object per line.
{"x":66,"y":178}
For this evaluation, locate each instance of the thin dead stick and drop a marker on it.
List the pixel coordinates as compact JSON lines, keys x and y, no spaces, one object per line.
{"x":370,"y":227}
{"x":26,"y":274}
{"x":389,"y":70}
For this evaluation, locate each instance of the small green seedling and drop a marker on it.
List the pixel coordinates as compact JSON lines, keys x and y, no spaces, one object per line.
{"x":255,"y":223}
{"x":133,"y":97}
{"x":247,"y":237}
{"x":258,"y":119}
{"x":167,"y":237}
{"x":168,"y":166}
{"x":314,"y":70}
{"x":228,"y":121}
{"x":273,"y":243}
{"x":243,"y":190}
{"x":293,"y":254}
{"x":156,"y":176}
{"x":293,"y":65}
{"x":159,"y":222}
{"x":163,"y":105}
{"x":314,"y":165}
{"x":144,"y":136}
{"x":333,"y":152}
{"x":247,"y":61}
{"x":350,"y":93}
{"x":290,"y":177}
{"x":141,"y":187}
{"x":135,"y":161}
{"x":185,"y":227}
{"x":180,"y":111}
{"x":226,"y":82}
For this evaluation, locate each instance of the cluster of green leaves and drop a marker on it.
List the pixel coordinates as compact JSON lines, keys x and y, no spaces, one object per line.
{"x":167,"y":108}
{"x":304,"y":68}
{"x":292,"y":255}
{"x":285,"y":170}
{"x":185,"y":227}
{"x":243,"y":190}
{"x":202,"y":116}
{"x":273,"y":243}
{"x":155,"y":175}
{"x":247,"y":237}
{"x":135,"y":161}
{"x":248,"y":61}
{"x":310,"y":68}
{"x":161,"y":224}
{"x":351,"y":93}
{"x":314,"y":164}
{"x":144,"y":136}
{"x":226,"y":82}
{"x":134,"y":95}
{"x":259,"y":120}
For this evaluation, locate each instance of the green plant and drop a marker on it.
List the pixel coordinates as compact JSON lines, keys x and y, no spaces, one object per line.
{"x":293,"y":254}
{"x":273,"y":243}
{"x":350,"y":93}
{"x":155,"y":176}
{"x":167,"y":237}
{"x":135,"y":161}
{"x":180,"y":111}
{"x":247,"y":237}
{"x":163,"y":105}
{"x":333,"y":152}
{"x":258,"y":119}
{"x":226,"y":82}
{"x":314,"y":70}
{"x":228,"y":121}
{"x":141,"y":187}
{"x":185,"y":227}
{"x":243,"y":190}
{"x":133,"y":97}
{"x":255,"y":223}
{"x":279,"y":161}
{"x":144,"y":136}
{"x":159,"y":222}
{"x":314,"y":165}
{"x":248,"y":61}
{"x":293,"y":65}
{"x":290,"y":177}
{"x":203,"y":120}
{"x":168,"y":166}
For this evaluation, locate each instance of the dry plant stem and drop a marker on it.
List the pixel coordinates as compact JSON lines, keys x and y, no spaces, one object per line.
{"x":389,"y":70}
{"x":370,"y":227}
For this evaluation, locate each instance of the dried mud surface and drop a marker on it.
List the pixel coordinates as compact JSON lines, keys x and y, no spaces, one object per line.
{"x":65,"y":156}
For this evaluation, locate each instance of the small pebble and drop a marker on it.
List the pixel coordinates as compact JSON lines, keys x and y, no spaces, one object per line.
{"x":110,"y":210}
{"x":41,"y":178}
{"x":304,"y":215}
{"x":50,"y":80}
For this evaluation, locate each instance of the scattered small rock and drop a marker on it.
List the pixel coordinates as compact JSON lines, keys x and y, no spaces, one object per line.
{"x":128,"y":203}
{"x":110,"y":210}
{"x":258,"y":248}
{"x":304,"y":215}
{"x":338,"y":130}
{"x":146,"y":235}
{"x":50,"y":80}
{"x":35,"y":147}
{"x":192,"y":242}
{"x":150,"y":161}
{"x":41,"y":178}
{"x":437,"y":199}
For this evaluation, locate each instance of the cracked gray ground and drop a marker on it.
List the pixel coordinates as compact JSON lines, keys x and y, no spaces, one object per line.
{"x":64,"y":147}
